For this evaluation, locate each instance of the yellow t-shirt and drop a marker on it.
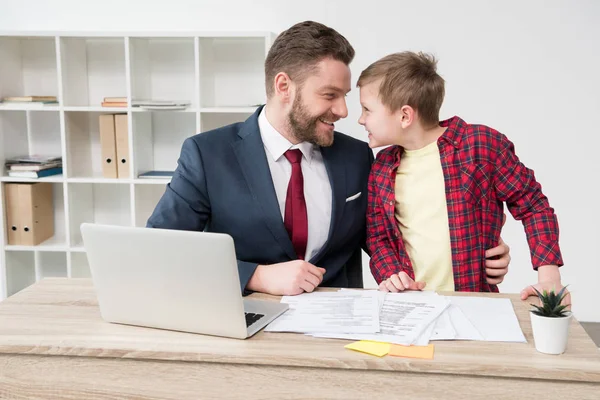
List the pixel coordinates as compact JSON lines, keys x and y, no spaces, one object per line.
{"x":422,"y":216}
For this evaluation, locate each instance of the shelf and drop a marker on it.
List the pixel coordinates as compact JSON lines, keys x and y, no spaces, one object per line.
{"x":98,"y":109}
{"x":99,"y":180}
{"x":78,"y":247}
{"x":27,"y":107}
{"x":148,"y":181}
{"x":93,"y":68}
{"x":183,"y":110}
{"x":228,"y":110}
{"x":53,"y":179}
{"x":220,"y":74}
{"x":55,"y":243}
{"x":158,"y":138}
{"x":28,"y":67}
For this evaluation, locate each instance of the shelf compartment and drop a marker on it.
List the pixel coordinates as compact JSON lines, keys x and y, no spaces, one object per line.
{"x":232,"y":72}
{"x":28,"y":67}
{"x":163,"y":69}
{"x":157,"y":139}
{"x":51,"y":264}
{"x":20,"y":271}
{"x":84,"y":151}
{"x":92,"y":69}
{"x":101,"y":203}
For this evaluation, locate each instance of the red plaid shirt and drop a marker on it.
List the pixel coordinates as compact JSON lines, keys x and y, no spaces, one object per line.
{"x":481,"y":173}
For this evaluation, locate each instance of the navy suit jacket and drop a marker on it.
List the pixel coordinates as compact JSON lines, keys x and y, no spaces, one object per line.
{"x":223,"y":184}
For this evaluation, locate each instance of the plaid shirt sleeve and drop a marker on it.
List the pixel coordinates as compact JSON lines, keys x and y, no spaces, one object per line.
{"x":515,"y":184}
{"x":384,"y":260}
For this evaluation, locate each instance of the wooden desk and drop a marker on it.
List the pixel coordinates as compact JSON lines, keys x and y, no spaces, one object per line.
{"x":54,"y":344}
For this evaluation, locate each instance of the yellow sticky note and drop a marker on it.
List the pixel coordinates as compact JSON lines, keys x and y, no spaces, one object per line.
{"x":425,"y":352}
{"x":378,"y":349}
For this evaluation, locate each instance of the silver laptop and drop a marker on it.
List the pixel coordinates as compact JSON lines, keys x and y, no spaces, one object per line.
{"x":172,"y":279}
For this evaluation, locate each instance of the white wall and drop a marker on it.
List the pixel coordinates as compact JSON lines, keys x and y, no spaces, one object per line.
{"x":531,"y":69}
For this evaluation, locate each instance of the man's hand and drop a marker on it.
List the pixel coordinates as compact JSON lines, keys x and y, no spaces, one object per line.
{"x":286,"y":279}
{"x":497,"y":261}
{"x":548,"y":279}
{"x":400,"y":282}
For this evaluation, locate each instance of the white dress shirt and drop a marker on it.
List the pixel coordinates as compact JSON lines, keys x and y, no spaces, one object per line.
{"x":317,"y":188}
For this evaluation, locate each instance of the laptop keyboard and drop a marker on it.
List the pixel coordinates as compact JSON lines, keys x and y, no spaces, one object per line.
{"x":252,"y":318}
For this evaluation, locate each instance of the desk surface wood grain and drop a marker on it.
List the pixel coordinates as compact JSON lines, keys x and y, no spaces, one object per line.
{"x":60,"y":317}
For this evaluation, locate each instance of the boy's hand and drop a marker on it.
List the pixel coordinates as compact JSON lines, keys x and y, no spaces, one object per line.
{"x":548,"y":279}
{"x":496,"y":269}
{"x":497,"y":261}
{"x":400,"y":282}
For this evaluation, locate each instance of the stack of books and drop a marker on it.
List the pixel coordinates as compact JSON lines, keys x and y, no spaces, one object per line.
{"x":30,"y":100}
{"x":114,"y":102}
{"x":33,"y":166}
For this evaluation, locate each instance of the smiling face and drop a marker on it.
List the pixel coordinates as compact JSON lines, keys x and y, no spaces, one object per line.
{"x":383,"y":126}
{"x":319,"y":102}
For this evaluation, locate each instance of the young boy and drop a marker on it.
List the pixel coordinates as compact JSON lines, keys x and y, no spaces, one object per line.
{"x":436,"y":195}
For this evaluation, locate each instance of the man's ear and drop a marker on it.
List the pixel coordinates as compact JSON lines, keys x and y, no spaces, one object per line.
{"x":283,"y":87}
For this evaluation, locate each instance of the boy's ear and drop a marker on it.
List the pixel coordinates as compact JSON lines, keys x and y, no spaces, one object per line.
{"x":283,"y":87}
{"x":407,"y":116}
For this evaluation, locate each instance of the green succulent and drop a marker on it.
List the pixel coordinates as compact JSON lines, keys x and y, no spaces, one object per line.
{"x":550,"y":304}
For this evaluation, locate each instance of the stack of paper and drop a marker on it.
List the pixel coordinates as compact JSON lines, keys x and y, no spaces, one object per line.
{"x":330,"y":312}
{"x":160,"y":104}
{"x":409,"y":318}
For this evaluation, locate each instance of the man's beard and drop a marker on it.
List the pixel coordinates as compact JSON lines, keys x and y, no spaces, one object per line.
{"x":304,"y":126}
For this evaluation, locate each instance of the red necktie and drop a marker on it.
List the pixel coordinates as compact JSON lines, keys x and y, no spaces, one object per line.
{"x":296,"y":220}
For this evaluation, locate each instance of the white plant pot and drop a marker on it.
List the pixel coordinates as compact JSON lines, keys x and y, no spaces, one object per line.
{"x":550,"y":334}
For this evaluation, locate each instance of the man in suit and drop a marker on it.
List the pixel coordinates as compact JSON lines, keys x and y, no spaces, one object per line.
{"x":290,"y":190}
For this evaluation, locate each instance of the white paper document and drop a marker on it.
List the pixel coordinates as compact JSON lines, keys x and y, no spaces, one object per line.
{"x":408,"y":318}
{"x":494,"y":319}
{"x":402,"y":319}
{"x":329,"y":312}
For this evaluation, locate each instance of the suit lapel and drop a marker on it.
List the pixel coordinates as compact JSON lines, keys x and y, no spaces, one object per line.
{"x":337,"y":178}
{"x":251,"y":155}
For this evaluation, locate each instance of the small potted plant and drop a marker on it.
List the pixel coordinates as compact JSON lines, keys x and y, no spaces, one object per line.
{"x":550,"y":322}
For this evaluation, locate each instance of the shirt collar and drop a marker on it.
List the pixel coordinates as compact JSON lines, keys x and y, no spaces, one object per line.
{"x":455,"y":130}
{"x":276,"y":144}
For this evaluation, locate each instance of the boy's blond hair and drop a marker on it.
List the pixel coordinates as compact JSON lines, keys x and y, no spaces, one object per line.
{"x":408,"y":78}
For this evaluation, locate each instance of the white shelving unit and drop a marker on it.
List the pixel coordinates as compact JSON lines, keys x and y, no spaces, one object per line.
{"x":221,"y":74}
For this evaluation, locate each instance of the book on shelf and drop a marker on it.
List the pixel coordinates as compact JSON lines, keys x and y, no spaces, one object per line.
{"x":36,"y":174}
{"x":156,"y":175}
{"x":114,"y":102}
{"x":29,"y":99}
{"x":115,"y":99}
